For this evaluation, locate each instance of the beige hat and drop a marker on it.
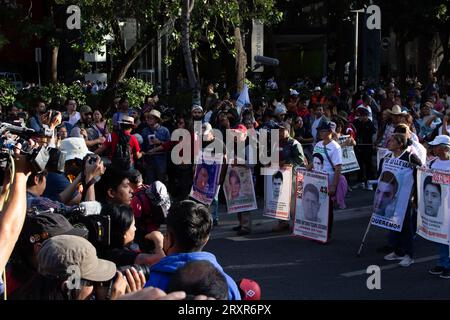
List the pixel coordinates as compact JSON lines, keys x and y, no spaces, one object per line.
{"x":155,"y":113}
{"x":397,"y":110}
{"x":61,"y":252}
{"x":75,"y":148}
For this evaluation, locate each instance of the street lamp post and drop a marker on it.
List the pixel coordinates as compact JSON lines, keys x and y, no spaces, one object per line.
{"x":355,"y":65}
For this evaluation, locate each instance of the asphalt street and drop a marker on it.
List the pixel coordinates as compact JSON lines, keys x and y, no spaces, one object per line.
{"x":288,"y":267}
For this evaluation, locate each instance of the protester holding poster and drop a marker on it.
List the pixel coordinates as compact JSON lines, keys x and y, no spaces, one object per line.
{"x":364,"y":148}
{"x":441,"y":149}
{"x":238,"y":184}
{"x":394,"y":197}
{"x":206,"y":181}
{"x":331,"y":154}
{"x":311,"y":208}
{"x":291,"y":153}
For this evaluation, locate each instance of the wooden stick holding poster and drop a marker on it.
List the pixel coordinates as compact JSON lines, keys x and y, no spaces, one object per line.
{"x":311,"y":205}
{"x":433,"y":205}
{"x":392,"y":195}
{"x":239,"y":190}
{"x":277,"y":192}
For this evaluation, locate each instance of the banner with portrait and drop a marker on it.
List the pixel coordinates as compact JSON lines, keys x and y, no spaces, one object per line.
{"x":349,"y":161}
{"x":392,"y":194}
{"x":277,"y":192}
{"x":311,"y":205}
{"x":381,"y":153}
{"x":206,"y":179}
{"x":433,"y":205}
{"x":239,"y":189}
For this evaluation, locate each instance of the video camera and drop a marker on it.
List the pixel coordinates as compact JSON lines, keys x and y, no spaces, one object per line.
{"x":87,"y":216}
{"x":11,"y":135}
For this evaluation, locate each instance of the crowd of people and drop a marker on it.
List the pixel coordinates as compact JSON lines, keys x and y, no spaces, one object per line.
{"x":124,"y":162}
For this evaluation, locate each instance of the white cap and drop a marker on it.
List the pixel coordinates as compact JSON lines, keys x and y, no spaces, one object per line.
{"x":206,"y":128}
{"x":294,"y":92}
{"x":442,"y":139}
{"x":75,"y":148}
{"x":317,"y":88}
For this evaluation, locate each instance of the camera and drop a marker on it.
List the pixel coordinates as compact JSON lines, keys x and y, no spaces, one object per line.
{"x":92,"y":158}
{"x":98,"y":226}
{"x":139,"y":267}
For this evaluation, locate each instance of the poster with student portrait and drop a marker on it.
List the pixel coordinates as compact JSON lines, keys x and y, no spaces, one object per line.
{"x":349,"y":161}
{"x":206,"y":179}
{"x":381,"y":153}
{"x":433,"y":205}
{"x":392,"y":194}
{"x":277,"y":192}
{"x":239,"y":190}
{"x":311,"y":205}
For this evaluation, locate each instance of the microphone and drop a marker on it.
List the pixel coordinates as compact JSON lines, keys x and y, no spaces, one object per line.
{"x":262,"y":60}
{"x":91,"y":208}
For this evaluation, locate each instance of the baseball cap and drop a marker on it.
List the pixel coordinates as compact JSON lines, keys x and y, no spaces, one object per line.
{"x":442,"y":139}
{"x":61,"y":252}
{"x":207,"y":128}
{"x":317,"y":88}
{"x":75,"y":148}
{"x":241,"y":128}
{"x":40,"y":227}
{"x":85,"y":109}
{"x":293,"y":92}
{"x":249,"y":289}
{"x":325,"y":125}
{"x":280,"y":109}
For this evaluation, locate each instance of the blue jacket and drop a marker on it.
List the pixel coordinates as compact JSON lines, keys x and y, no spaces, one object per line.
{"x":161,"y":272}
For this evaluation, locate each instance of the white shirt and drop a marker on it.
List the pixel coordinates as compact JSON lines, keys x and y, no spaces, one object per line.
{"x":441,"y":165}
{"x":334,"y":153}
{"x":74,"y":118}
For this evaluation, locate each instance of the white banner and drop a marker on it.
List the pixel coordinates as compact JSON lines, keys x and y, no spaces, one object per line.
{"x":312,"y":205}
{"x":392,"y":195}
{"x":277,"y":192}
{"x":349,"y":161}
{"x":239,"y":190}
{"x":433,"y":205}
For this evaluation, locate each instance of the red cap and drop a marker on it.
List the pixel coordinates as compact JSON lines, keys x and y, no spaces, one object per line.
{"x":249,"y":289}
{"x":241,"y":128}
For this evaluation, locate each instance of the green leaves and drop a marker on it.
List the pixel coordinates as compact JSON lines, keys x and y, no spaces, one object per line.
{"x":7,"y":93}
{"x":135,"y":90}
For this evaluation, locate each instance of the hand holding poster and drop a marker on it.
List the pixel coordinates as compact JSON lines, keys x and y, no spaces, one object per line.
{"x":277,"y":192}
{"x":349,"y":161}
{"x":206,"y":180}
{"x":239,"y":190}
{"x":392,"y":195}
{"x":433,"y":205}
{"x":311,"y":206}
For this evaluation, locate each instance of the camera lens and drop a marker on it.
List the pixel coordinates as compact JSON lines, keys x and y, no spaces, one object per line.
{"x":144,"y":268}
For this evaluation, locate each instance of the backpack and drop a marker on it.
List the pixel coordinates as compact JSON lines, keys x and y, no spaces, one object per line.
{"x":154,"y":202}
{"x":122,"y":155}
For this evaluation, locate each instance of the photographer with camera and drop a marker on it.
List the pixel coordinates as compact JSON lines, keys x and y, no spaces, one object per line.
{"x":36,"y":229}
{"x":122,"y":250}
{"x":13,"y":214}
{"x":69,"y":269}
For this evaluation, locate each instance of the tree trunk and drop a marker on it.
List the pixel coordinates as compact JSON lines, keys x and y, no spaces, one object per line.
{"x":54,"y":64}
{"x":241,"y":60}
{"x":188,"y":5}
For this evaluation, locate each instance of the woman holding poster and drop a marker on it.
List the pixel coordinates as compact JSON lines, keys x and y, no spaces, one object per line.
{"x":441,"y":148}
{"x":401,"y":243}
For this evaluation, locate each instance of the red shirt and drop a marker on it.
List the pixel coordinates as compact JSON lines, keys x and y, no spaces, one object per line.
{"x":134,"y":145}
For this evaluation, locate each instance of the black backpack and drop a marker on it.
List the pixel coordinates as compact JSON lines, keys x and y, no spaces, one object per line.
{"x":122,"y":155}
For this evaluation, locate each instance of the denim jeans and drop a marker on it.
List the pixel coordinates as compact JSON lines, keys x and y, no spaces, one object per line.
{"x":444,"y":259}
